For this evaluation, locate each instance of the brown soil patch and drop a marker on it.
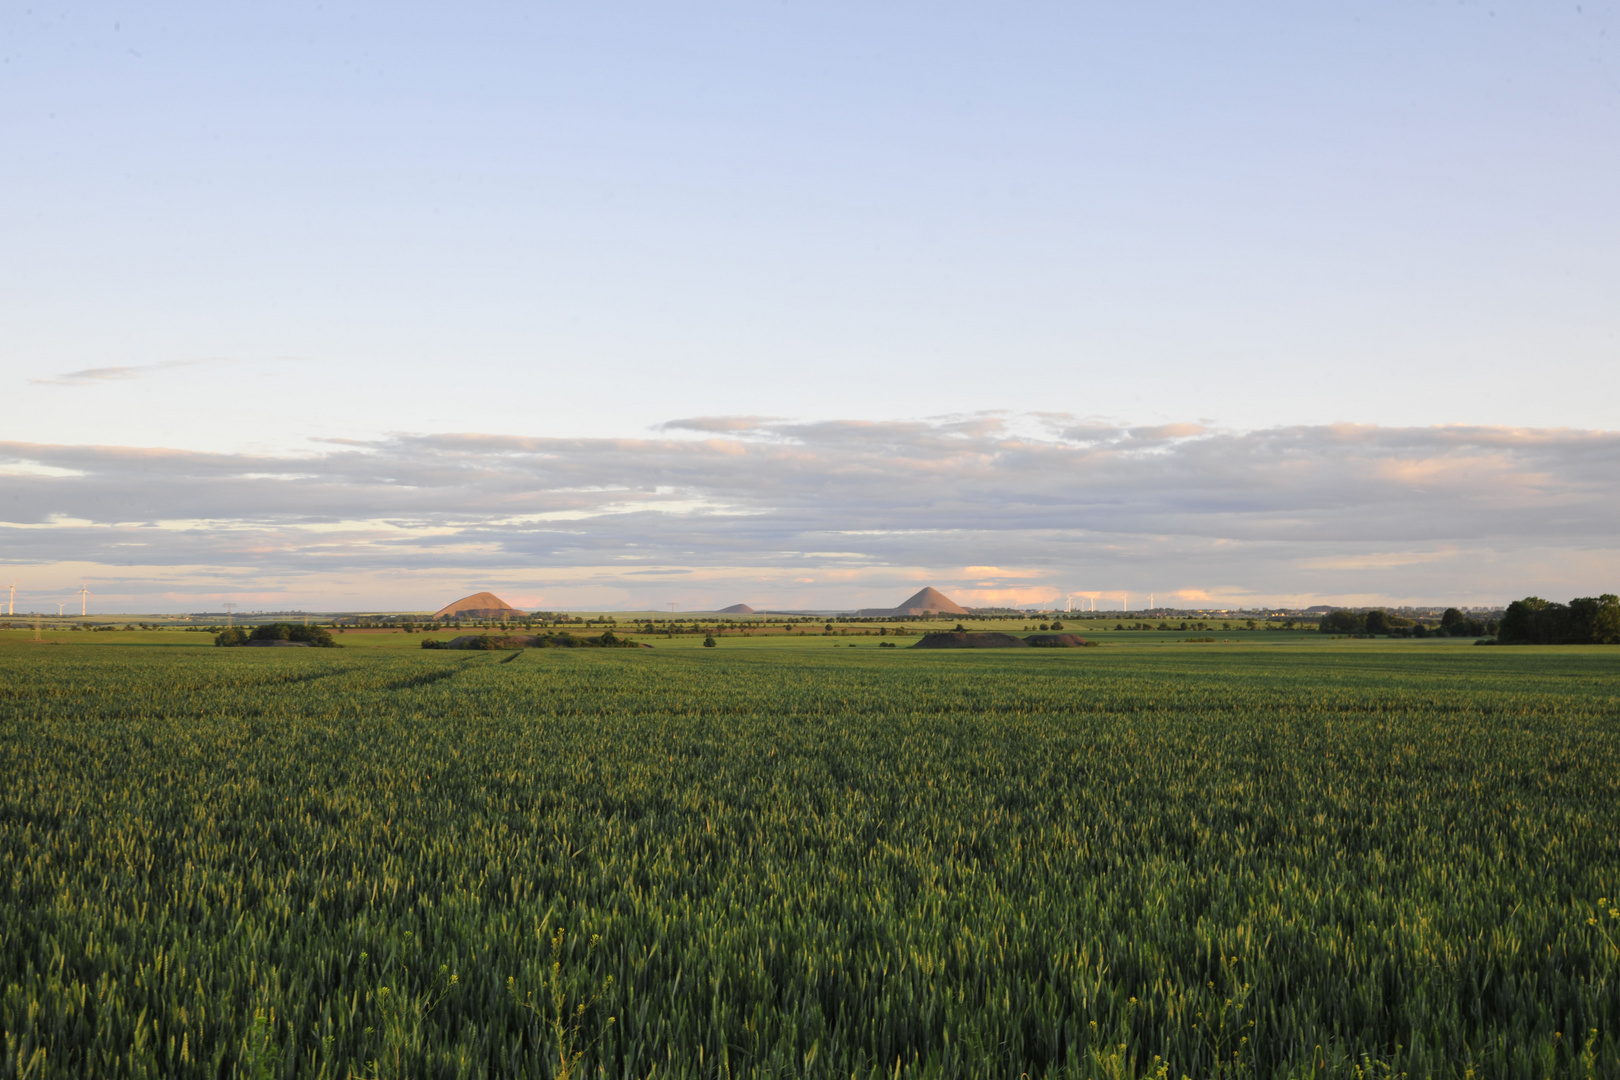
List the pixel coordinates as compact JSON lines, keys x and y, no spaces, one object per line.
{"x":969,"y":641}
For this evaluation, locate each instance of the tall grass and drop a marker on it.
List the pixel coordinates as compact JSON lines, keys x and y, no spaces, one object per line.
{"x":278,"y":864}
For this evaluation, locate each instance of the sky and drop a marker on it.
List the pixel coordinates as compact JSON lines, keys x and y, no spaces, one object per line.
{"x":353,"y":305}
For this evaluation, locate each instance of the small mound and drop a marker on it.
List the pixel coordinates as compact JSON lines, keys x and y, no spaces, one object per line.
{"x":969,"y":641}
{"x":276,"y":644}
{"x":736,"y":609}
{"x":565,"y":640}
{"x":1057,"y":641}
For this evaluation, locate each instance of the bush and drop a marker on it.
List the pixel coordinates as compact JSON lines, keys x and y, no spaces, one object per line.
{"x":709,"y":642}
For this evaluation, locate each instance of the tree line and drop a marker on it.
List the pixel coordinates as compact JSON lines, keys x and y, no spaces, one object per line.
{"x":1587,"y":620}
{"x":1453,"y":623}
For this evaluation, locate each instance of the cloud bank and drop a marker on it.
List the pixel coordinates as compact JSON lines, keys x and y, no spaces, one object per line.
{"x":828,"y":514}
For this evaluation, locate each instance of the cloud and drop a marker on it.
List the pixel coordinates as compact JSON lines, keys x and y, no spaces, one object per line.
{"x":91,"y":376}
{"x":717,"y":425}
{"x":868,"y":506}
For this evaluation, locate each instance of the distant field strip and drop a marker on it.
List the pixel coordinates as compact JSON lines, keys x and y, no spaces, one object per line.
{"x":1245,"y":862}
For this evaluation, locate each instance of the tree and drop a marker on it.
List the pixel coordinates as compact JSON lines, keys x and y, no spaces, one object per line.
{"x":1457,"y":624}
{"x":1529,"y":622}
{"x":1586,"y":620}
{"x":709,"y":642}
{"x":1595,"y":619}
{"x":1606,"y":622}
{"x":1377,"y":621}
{"x":309,"y":635}
{"x":1340,"y":622}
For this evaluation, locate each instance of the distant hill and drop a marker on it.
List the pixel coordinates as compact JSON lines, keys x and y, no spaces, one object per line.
{"x":929,"y":601}
{"x":484,"y":605}
{"x":736,"y":609}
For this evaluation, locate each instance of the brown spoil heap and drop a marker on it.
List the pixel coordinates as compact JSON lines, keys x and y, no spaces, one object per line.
{"x":960,"y":640}
{"x":484,"y":605}
{"x":736,"y":609}
{"x":929,"y":601}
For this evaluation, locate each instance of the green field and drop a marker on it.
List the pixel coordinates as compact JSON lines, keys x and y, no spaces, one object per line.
{"x":1271,"y":857}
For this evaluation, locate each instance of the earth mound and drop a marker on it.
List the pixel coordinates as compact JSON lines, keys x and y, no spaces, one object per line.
{"x":484,"y":605}
{"x":958,"y":640}
{"x":736,"y":609}
{"x":276,"y":644}
{"x":564,"y":640}
{"x":1058,"y":641}
{"x":929,"y":601}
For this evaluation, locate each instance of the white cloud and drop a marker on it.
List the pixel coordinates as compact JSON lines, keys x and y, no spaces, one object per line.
{"x":864,"y":507}
{"x":91,"y":376}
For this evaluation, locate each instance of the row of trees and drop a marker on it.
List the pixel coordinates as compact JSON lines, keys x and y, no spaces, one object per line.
{"x":1453,"y":623}
{"x":307,"y":635}
{"x":1586,"y":620}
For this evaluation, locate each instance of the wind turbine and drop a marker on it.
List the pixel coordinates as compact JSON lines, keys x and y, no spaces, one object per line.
{"x":11,"y":609}
{"x":84,"y":594}
{"x":229,"y":608}
{"x":1125,"y":599}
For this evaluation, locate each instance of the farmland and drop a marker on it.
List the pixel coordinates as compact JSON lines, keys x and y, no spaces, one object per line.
{"x":1271,"y":858}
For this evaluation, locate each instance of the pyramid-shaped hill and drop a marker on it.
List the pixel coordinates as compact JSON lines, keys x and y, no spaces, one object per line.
{"x":929,"y":601}
{"x":484,"y":605}
{"x":736,"y":609}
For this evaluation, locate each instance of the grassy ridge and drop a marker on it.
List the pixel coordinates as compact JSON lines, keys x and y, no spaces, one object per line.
{"x":1251,"y":862}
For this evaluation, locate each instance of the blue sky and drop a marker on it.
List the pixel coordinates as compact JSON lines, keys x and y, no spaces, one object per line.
{"x":251,"y":230}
